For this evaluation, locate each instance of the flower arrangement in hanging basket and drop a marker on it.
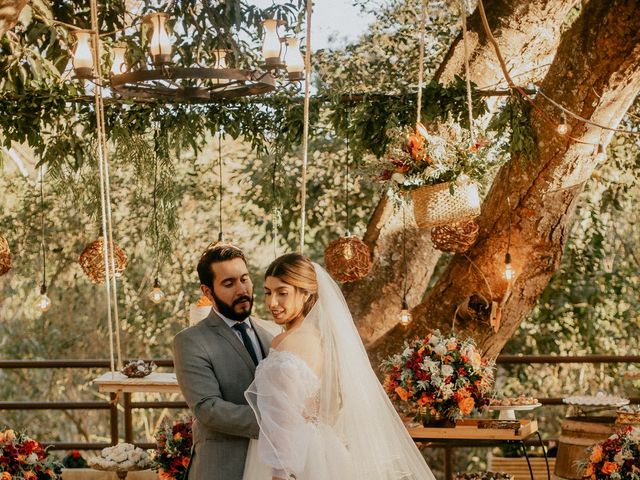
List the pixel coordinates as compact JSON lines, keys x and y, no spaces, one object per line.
{"x":439,"y":377}
{"x":439,"y":169}
{"x":92,"y":261}
{"x":348,"y":259}
{"x":5,"y":256}
{"x":456,"y":238}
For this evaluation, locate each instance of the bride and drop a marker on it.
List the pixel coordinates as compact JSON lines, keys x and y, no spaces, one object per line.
{"x":323,"y":414}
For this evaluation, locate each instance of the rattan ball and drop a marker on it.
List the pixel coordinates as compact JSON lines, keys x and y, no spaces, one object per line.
{"x":348,"y":259}
{"x":456,"y":238}
{"x":92,"y":261}
{"x":5,"y":256}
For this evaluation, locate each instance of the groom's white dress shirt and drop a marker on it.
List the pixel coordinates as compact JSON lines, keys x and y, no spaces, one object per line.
{"x":250,"y":331}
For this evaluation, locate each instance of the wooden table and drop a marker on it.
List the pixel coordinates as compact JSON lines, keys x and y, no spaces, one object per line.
{"x":116,"y":383}
{"x":467,"y":434}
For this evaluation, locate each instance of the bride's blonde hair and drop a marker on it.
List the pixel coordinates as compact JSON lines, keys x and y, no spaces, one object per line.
{"x":296,"y":270}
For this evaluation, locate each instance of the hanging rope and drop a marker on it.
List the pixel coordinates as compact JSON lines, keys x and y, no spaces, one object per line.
{"x":220,"y":234}
{"x":423,"y":27}
{"x":463,"y":14}
{"x":305,"y":132}
{"x":105,"y":201}
{"x":275,"y":212}
{"x":155,"y":204}
{"x":346,"y":191}
{"x":44,"y":251}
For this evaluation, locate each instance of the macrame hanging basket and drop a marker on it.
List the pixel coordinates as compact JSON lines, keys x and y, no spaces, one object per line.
{"x":445,"y":203}
{"x":5,"y":256}
{"x":92,"y":261}
{"x":348,"y":259}
{"x":455,"y":238}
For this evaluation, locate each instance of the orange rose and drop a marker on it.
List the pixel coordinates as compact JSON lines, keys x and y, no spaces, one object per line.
{"x":424,"y":400}
{"x":5,"y":476}
{"x":402,"y":393}
{"x":596,"y":454}
{"x":466,"y":405}
{"x":29,"y":475}
{"x":9,"y":434}
{"x":609,"y":467}
{"x":185,"y":462}
{"x":589,"y":470}
{"x":177,"y":436}
{"x":164,"y":475}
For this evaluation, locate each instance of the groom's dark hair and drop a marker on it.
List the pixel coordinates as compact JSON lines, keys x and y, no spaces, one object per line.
{"x":220,"y":252}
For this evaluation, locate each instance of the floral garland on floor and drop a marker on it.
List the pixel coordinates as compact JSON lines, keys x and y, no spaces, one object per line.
{"x":440,"y":375}
{"x":23,"y":458}
{"x":173,"y":450}
{"x":617,"y":458}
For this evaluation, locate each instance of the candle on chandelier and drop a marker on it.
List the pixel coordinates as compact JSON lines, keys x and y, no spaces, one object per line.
{"x":83,"y":56}
{"x":119,"y":65}
{"x":271,"y":46}
{"x":160,"y":43}
{"x":293,"y":59}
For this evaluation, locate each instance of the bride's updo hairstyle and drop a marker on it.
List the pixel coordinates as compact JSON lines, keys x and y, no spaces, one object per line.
{"x":296,"y":270}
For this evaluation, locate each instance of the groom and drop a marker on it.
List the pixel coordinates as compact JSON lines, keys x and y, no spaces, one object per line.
{"x":215,"y":362}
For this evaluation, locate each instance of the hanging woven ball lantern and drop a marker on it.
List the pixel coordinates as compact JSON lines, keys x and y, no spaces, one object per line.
{"x":5,"y":256}
{"x":348,"y":259}
{"x":92,"y":261}
{"x":456,"y":238}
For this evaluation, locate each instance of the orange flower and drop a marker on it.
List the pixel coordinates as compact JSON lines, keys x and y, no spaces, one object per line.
{"x":29,"y":475}
{"x":402,"y":393}
{"x":177,"y":436}
{"x":589,"y":470}
{"x":421,"y":351}
{"x":5,"y":476}
{"x":596,"y":454}
{"x":424,"y":400}
{"x":452,"y":345}
{"x":9,"y":434}
{"x":164,"y":475}
{"x":185,"y":462}
{"x":609,"y":467}
{"x":466,"y":405}
{"x":415,"y":143}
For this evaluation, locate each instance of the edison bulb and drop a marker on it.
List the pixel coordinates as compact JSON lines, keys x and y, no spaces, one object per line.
{"x":509,"y":272}
{"x":44,"y":302}
{"x":156,"y":295}
{"x":405,"y":314}
{"x":563,"y":128}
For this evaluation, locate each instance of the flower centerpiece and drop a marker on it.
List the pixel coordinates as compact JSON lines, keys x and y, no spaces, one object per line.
{"x":440,"y":378}
{"x":74,"y":459}
{"x":22,"y":457}
{"x":173,"y":450}
{"x":617,"y":458}
{"x":437,"y":167}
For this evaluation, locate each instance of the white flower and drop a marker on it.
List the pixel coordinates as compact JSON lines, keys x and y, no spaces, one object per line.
{"x":398,"y":178}
{"x":436,"y":380}
{"x":447,"y":370}
{"x":433,"y":341}
{"x":447,"y":391}
{"x":32,"y":458}
{"x":440,"y":349}
{"x":407,"y":352}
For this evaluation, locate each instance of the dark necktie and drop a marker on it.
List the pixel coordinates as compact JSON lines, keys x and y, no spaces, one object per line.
{"x":242,"y":328}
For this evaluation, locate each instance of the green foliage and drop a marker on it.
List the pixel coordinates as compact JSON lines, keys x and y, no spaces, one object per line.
{"x":514,"y":122}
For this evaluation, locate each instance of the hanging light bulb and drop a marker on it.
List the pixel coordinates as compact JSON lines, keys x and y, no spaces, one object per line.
{"x":271,"y":46}
{"x":119,"y":65}
{"x":83,"y":56}
{"x":509,"y":272}
{"x":160,"y":44}
{"x":405,"y":314}
{"x":601,"y":155}
{"x":563,"y":128}
{"x":44,"y":302}
{"x":294,"y":60}
{"x":156,"y":295}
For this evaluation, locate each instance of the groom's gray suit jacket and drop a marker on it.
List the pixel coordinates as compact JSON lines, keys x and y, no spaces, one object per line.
{"x":214,"y":369}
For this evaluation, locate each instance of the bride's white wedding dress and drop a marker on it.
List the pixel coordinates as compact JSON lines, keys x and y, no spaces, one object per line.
{"x":322,"y":412}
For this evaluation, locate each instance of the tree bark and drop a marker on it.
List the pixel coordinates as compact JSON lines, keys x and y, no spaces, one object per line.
{"x":376,"y":300}
{"x":9,"y":13}
{"x":596,"y":73}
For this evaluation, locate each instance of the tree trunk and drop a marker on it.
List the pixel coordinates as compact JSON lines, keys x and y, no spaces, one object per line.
{"x":376,"y":300}
{"x":9,"y":13}
{"x":596,"y":73}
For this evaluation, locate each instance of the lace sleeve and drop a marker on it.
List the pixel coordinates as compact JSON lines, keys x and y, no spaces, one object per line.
{"x":279,"y":394}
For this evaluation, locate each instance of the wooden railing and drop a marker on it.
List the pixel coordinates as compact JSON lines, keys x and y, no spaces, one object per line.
{"x":129,"y":406}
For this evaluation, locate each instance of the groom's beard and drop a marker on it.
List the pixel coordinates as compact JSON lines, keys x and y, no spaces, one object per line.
{"x":230,"y":311}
